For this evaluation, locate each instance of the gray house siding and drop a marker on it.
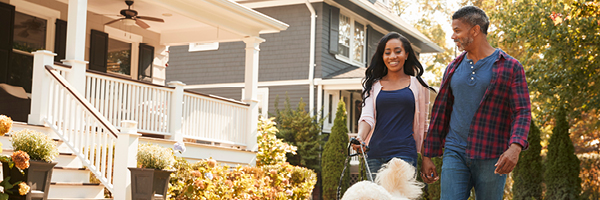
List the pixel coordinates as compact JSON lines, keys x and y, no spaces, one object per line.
{"x":283,"y":56}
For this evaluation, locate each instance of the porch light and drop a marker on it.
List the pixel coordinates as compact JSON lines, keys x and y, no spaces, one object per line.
{"x":128,"y":22}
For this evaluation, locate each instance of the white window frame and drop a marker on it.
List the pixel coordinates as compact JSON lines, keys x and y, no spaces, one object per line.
{"x":350,"y":59}
{"x":135,"y":40}
{"x":50,"y":15}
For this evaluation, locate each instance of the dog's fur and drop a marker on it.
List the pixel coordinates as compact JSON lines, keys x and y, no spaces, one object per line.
{"x":396,"y":180}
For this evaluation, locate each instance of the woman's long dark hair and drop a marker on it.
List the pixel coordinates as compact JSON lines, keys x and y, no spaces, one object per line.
{"x":378,"y":70}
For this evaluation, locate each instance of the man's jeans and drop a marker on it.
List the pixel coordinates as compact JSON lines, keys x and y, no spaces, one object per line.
{"x":460,"y":174}
{"x":376,"y":163}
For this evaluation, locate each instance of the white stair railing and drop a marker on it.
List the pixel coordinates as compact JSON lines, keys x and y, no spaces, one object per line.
{"x":82,"y":127}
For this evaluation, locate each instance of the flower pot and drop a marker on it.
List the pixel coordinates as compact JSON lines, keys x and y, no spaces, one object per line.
{"x":37,"y":176}
{"x":149,"y":184}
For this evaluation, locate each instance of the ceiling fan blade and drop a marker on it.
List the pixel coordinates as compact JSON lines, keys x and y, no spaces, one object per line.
{"x":113,"y":21}
{"x":150,"y":18}
{"x":142,"y":24}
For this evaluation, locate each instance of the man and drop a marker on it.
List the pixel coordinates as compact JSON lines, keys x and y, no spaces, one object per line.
{"x":480,"y":118}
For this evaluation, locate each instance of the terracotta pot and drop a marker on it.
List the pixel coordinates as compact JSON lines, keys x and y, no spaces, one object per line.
{"x":149,"y":184}
{"x":37,"y":176}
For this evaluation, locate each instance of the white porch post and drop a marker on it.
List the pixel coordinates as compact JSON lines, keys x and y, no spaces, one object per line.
{"x":75,"y":55}
{"x":39,"y":86}
{"x":251,"y":87}
{"x":127,"y":146}
{"x":176,"y":113}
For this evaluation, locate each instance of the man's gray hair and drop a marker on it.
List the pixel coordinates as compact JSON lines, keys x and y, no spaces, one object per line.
{"x":473,"y":15}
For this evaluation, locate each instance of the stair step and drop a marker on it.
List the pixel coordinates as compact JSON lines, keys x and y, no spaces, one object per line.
{"x":70,"y":174}
{"x":64,"y":190}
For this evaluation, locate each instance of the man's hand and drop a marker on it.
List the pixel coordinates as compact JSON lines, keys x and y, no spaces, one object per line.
{"x":508,"y":160}
{"x":428,"y":172}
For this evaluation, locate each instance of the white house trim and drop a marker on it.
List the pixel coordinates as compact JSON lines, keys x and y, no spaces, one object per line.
{"x":260,"y":84}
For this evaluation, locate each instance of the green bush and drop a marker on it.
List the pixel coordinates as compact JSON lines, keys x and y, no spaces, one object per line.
{"x":270,"y":149}
{"x":273,"y":178}
{"x":39,"y":146}
{"x":528,"y":174}
{"x":299,"y":129}
{"x":334,"y":156}
{"x":153,"y":156}
{"x":562,"y":165}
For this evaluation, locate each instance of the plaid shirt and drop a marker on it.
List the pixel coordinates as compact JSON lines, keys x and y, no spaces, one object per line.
{"x":503,"y":116}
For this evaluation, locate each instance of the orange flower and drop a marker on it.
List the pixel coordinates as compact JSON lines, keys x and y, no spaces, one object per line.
{"x":196,"y":173}
{"x":212,"y":163}
{"x":21,"y":159}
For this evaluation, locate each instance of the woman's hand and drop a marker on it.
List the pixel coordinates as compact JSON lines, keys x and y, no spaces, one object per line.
{"x":357,"y":148}
{"x":428,"y":172}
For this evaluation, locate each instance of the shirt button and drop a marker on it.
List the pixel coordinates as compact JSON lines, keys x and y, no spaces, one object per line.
{"x":473,"y":72}
{"x":471,"y":67}
{"x":471,"y":78}
{"x":470,"y":62}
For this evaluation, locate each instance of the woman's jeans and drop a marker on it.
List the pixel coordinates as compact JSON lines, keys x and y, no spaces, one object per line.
{"x":460,"y":174}
{"x":376,"y":163}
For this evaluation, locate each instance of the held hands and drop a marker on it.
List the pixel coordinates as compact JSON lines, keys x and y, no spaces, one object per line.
{"x":428,"y":172}
{"x":508,"y":160}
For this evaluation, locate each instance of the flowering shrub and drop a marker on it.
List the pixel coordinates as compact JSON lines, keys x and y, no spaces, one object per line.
{"x":270,"y":149}
{"x":38,"y":145}
{"x":154,"y":157}
{"x":19,"y":159}
{"x":271,"y":179}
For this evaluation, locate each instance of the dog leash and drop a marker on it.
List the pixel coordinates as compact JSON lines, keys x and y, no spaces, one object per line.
{"x":362,"y":151}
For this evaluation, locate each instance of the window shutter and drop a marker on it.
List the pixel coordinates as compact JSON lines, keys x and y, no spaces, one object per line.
{"x":145,"y":62}
{"x":7,"y":21}
{"x":372,"y":1}
{"x":98,"y":50}
{"x":334,"y":30}
{"x":60,"y":40}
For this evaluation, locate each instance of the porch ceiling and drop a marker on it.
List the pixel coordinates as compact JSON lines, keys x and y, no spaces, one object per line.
{"x":190,"y":21}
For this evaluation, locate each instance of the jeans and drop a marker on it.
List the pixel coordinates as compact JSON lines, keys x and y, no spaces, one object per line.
{"x":460,"y":174}
{"x":376,"y":163}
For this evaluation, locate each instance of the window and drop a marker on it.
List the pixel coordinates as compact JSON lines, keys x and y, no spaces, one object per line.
{"x":119,"y":57}
{"x":29,"y":36}
{"x":351,"y":41}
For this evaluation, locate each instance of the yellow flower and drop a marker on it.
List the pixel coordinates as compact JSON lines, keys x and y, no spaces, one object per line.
{"x":23,"y":188}
{"x":5,"y":124}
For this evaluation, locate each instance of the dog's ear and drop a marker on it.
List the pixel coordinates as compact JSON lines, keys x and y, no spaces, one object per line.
{"x":398,"y":177}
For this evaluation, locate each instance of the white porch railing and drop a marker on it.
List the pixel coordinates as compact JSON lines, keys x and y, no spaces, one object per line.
{"x":210,"y":119}
{"x":82,"y":128}
{"x":120,"y":99}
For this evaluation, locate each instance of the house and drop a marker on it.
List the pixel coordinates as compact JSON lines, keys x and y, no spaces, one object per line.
{"x":92,"y":74}
{"x":320,"y":58}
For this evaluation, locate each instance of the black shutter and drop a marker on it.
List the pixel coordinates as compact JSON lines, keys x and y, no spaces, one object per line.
{"x":372,"y":1}
{"x":60,"y":40}
{"x":98,"y":50}
{"x":146,"y":57}
{"x":373,"y":37}
{"x":334,"y":30}
{"x":7,"y":22}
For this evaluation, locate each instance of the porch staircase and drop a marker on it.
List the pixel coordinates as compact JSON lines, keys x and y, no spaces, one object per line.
{"x":70,"y":180}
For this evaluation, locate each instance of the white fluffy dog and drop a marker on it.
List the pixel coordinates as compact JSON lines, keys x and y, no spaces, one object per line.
{"x":396,"y":180}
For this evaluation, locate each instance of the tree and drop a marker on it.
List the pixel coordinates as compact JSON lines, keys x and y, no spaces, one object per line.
{"x":334,"y":156}
{"x":299,"y":129}
{"x":528,"y":174}
{"x":562,"y":165}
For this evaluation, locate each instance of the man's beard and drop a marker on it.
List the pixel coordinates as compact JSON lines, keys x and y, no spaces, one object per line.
{"x":463,"y":43}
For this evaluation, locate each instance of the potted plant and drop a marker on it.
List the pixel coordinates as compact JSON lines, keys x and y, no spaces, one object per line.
{"x":19,"y":161}
{"x":151,"y":179}
{"x":42,"y":150}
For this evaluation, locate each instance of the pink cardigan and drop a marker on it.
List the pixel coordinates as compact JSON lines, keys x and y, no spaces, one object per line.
{"x":421,"y":111}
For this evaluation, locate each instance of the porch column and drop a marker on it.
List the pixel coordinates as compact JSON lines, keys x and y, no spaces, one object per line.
{"x":251,"y":87}
{"x":39,"y":86}
{"x":176,"y":111}
{"x":127,"y":146}
{"x":75,"y":55}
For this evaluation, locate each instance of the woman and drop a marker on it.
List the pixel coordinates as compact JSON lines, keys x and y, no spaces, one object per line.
{"x":395,"y":104}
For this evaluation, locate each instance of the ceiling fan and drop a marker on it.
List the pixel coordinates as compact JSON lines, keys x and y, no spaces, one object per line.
{"x":131,"y":16}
